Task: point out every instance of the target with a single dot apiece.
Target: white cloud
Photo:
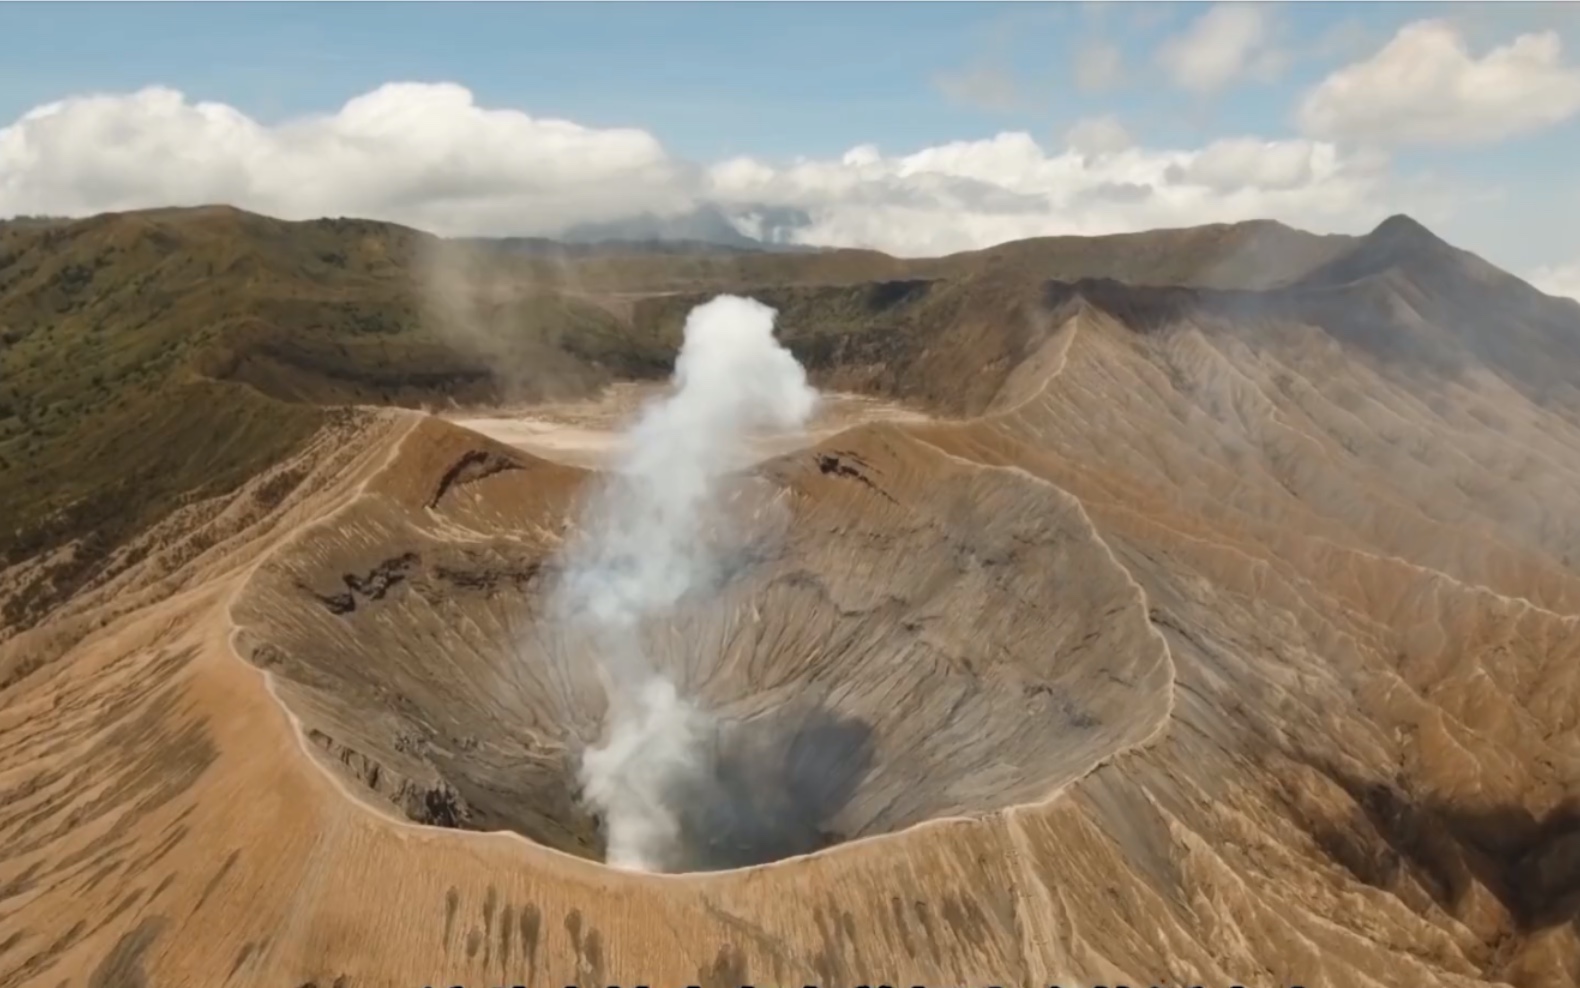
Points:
(427, 155)
(1562, 280)
(1228, 43)
(1425, 87)
(424, 154)
(1098, 66)
(1237, 162)
(969, 194)
(1098, 135)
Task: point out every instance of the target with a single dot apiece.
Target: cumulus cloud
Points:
(429, 156)
(972, 193)
(1426, 87)
(1098, 135)
(424, 154)
(1227, 165)
(1229, 43)
(1562, 280)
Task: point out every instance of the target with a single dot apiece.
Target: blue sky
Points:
(710, 79)
(778, 81)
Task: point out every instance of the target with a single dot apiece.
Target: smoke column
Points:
(644, 541)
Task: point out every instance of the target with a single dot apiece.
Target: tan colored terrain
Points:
(587, 433)
(1219, 643)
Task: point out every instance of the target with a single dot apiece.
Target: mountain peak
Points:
(1399, 243)
(1402, 229)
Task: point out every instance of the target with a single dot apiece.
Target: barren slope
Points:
(1220, 636)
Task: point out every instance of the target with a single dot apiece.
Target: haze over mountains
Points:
(1194, 606)
(758, 228)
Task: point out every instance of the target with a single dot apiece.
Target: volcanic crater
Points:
(905, 643)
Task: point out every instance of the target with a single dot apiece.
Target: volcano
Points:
(1187, 607)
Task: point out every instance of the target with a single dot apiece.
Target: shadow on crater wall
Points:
(771, 787)
(1413, 845)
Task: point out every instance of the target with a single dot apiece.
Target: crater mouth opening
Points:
(759, 790)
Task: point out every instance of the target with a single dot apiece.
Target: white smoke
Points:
(650, 535)
(654, 750)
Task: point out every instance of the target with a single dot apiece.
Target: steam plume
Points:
(647, 538)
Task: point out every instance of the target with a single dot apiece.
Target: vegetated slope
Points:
(156, 358)
(150, 359)
(1273, 580)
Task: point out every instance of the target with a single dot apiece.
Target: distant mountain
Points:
(708, 229)
(548, 247)
(753, 228)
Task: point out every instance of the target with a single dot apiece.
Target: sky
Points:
(918, 128)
